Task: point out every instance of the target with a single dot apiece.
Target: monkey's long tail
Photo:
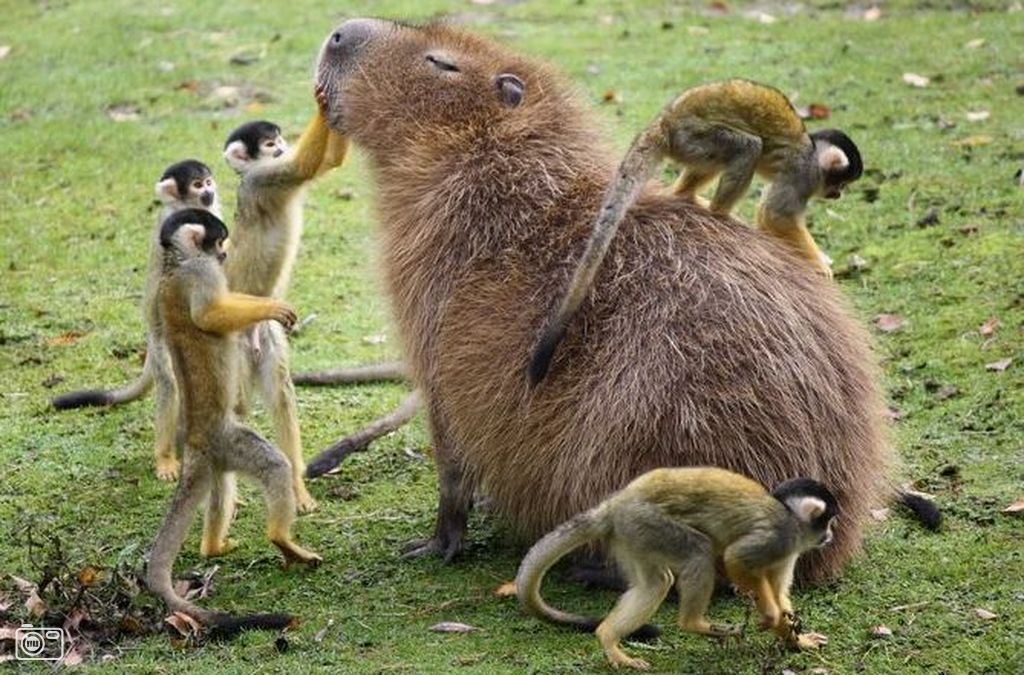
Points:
(555, 545)
(392, 371)
(925, 509)
(333, 456)
(637, 166)
(107, 397)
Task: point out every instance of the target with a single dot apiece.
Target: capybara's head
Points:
(391, 86)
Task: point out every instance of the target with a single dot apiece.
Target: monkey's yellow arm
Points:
(230, 312)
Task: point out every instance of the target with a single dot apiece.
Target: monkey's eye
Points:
(442, 64)
(198, 185)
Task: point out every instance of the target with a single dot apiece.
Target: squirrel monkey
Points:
(187, 184)
(670, 526)
(268, 225)
(200, 320)
(735, 128)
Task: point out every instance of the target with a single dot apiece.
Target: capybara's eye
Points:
(442, 64)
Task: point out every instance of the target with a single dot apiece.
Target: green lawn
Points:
(76, 209)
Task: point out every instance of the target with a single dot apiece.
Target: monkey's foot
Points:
(293, 553)
(809, 641)
(214, 549)
(617, 658)
(304, 502)
(167, 468)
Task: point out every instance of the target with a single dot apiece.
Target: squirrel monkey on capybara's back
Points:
(201, 319)
(671, 526)
(735, 128)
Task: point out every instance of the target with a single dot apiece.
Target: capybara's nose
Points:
(350, 37)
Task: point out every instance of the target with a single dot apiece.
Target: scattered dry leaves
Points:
(989, 327)
(915, 80)
(452, 627)
(984, 614)
(887, 323)
(998, 366)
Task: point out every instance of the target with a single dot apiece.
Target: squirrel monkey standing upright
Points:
(267, 229)
(735, 128)
(200, 319)
(187, 184)
(671, 526)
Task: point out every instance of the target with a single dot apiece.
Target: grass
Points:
(75, 207)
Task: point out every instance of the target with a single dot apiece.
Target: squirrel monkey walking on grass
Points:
(201, 319)
(734, 128)
(670, 526)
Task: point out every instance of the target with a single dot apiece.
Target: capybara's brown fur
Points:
(701, 342)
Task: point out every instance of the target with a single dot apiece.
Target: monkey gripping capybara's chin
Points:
(701, 341)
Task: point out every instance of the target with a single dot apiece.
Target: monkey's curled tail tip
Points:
(332, 457)
(82, 399)
(540, 359)
(228, 626)
(925, 509)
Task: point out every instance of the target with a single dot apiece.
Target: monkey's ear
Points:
(511, 90)
(805, 507)
(237, 156)
(831, 158)
(190, 237)
(167, 191)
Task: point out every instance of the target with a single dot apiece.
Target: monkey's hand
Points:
(809, 641)
(284, 314)
(320, 93)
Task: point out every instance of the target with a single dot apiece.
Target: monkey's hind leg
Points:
(648, 585)
(741, 152)
(220, 511)
(695, 584)
(279, 396)
(192, 488)
(245, 451)
(167, 465)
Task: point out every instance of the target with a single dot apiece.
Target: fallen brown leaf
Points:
(8, 632)
(452, 627)
(881, 632)
(984, 614)
(818, 111)
(989, 327)
(609, 96)
(887, 323)
(718, 7)
(88, 575)
(974, 44)
(35, 605)
(915, 80)
(973, 141)
(65, 339)
(1016, 508)
(998, 366)
(73, 656)
(124, 112)
(23, 585)
(183, 623)
(506, 590)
